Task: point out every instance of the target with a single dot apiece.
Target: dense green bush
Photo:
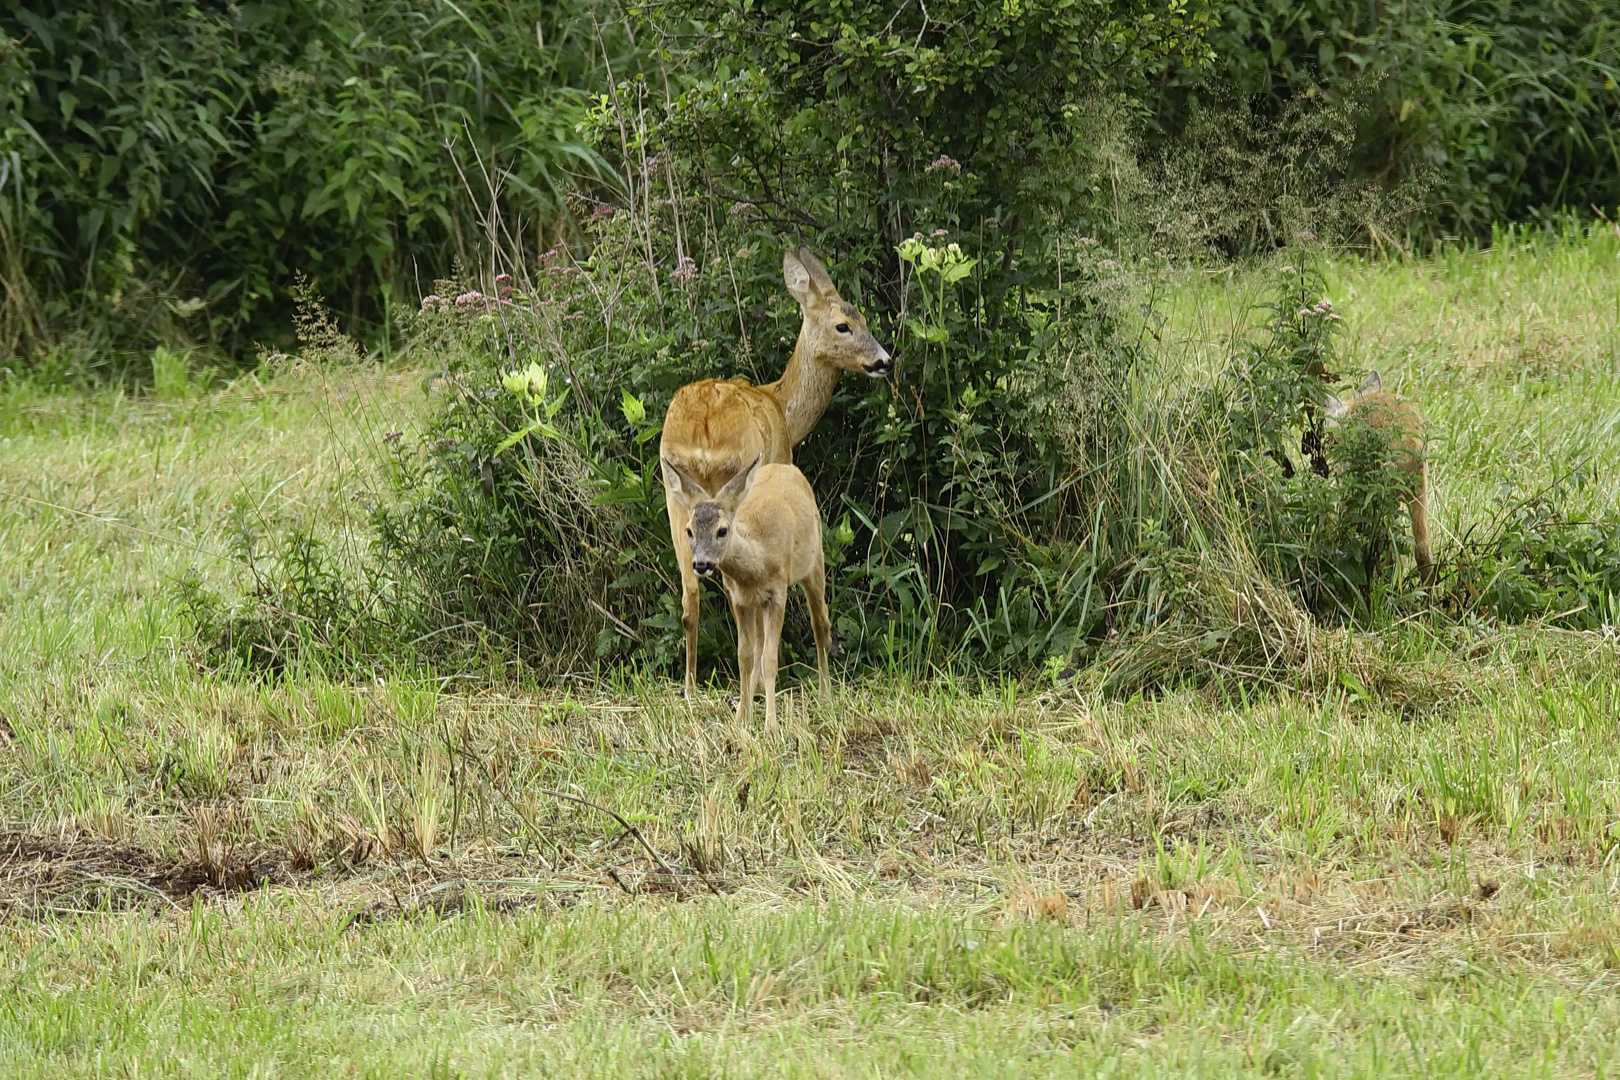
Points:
(1534, 563)
(549, 533)
(1500, 111)
(167, 168)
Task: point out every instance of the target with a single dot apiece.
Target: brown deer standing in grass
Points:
(762, 533)
(1400, 422)
(715, 427)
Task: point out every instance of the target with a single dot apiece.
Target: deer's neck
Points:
(804, 390)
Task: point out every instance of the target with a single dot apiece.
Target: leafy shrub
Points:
(1533, 563)
(1328, 528)
(547, 529)
(300, 602)
(167, 168)
(1502, 111)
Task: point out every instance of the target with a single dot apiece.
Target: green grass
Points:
(1410, 873)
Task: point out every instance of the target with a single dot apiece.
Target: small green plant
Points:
(529, 387)
(1535, 563)
(171, 375)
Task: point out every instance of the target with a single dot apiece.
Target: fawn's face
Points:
(708, 527)
(708, 531)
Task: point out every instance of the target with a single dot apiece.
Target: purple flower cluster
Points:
(472, 300)
(686, 270)
(945, 163)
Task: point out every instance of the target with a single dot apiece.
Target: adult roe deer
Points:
(715, 427)
(762, 533)
(1400, 422)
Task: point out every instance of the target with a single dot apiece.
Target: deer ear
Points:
(1336, 407)
(818, 273)
(797, 277)
(679, 483)
(739, 486)
(1372, 384)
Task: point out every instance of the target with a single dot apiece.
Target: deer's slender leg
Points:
(815, 594)
(770, 637)
(690, 594)
(747, 657)
(1419, 506)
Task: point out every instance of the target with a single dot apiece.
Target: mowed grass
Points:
(1414, 874)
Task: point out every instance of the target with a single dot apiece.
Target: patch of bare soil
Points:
(40, 875)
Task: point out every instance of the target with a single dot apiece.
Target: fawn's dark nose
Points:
(703, 567)
(881, 366)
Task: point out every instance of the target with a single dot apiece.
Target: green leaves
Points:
(929, 332)
(229, 149)
(634, 411)
(635, 414)
(528, 385)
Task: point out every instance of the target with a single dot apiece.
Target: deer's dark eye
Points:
(843, 328)
(688, 532)
(720, 532)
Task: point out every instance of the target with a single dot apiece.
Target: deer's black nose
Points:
(703, 567)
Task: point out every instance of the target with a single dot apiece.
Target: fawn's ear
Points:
(679, 483)
(1372, 384)
(1336, 407)
(739, 486)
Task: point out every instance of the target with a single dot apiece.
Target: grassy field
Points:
(1415, 874)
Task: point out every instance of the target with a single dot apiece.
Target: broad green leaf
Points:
(538, 427)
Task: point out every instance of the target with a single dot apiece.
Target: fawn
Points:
(1399, 421)
(761, 532)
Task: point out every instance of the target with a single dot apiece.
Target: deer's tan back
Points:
(1385, 412)
(715, 427)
